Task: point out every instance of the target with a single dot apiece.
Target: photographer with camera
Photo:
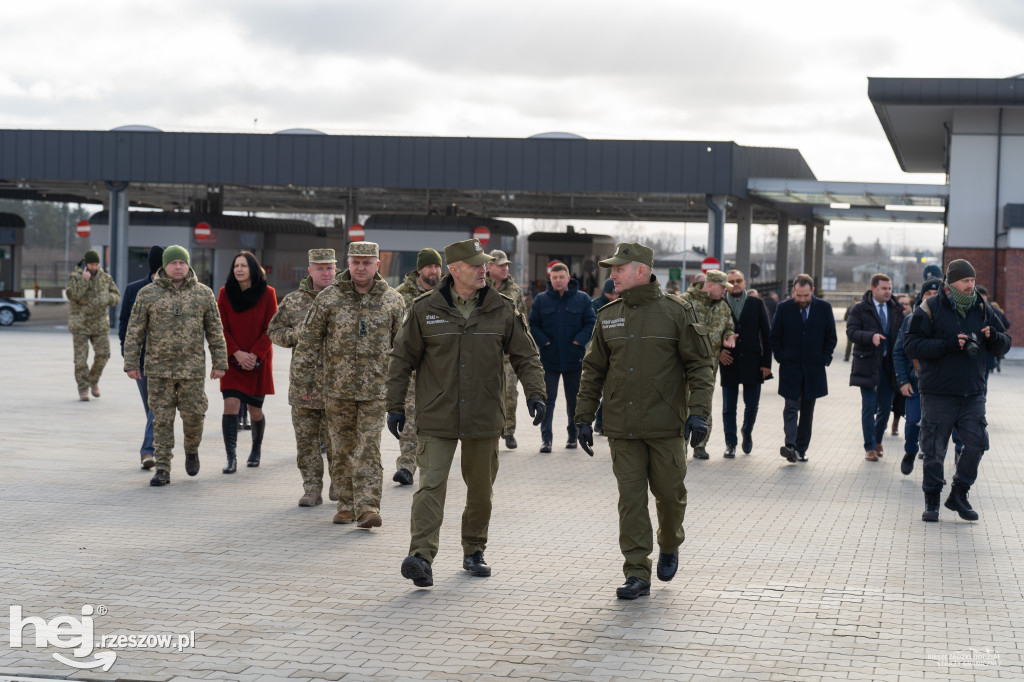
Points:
(945, 336)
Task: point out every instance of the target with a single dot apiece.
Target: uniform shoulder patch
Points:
(686, 305)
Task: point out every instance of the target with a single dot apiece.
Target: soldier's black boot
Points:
(931, 507)
(257, 442)
(229, 425)
(957, 501)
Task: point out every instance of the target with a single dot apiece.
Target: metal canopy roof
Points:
(535, 178)
(917, 113)
(866, 200)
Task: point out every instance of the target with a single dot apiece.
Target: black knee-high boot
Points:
(229, 425)
(257, 441)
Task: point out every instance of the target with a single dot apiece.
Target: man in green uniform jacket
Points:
(455, 339)
(652, 360)
(90, 292)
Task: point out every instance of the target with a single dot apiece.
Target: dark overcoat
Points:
(861, 326)
(803, 349)
(753, 347)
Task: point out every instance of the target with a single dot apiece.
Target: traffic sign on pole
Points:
(710, 263)
(83, 229)
(356, 233)
(202, 231)
(483, 235)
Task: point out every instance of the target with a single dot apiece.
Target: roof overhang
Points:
(917, 113)
(866, 200)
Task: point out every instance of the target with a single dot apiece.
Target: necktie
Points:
(803, 314)
(885, 327)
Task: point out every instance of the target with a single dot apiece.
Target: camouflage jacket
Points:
(88, 302)
(410, 288)
(512, 290)
(714, 315)
(349, 335)
(172, 323)
(284, 330)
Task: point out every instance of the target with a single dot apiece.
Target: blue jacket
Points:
(803, 350)
(560, 320)
(904, 366)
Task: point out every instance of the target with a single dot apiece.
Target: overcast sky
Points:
(784, 74)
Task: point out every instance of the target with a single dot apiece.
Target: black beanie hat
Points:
(156, 259)
(609, 287)
(930, 284)
(958, 270)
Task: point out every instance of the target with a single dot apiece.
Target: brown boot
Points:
(95, 388)
(344, 517)
(370, 520)
(311, 499)
(871, 456)
(83, 396)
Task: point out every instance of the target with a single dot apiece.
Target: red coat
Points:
(247, 331)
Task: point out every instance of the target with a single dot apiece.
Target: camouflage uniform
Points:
(308, 418)
(353, 334)
(512, 290)
(89, 322)
(172, 322)
(717, 319)
(409, 289)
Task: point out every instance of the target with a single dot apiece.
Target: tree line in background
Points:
(47, 226)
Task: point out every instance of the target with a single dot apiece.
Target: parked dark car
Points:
(12, 311)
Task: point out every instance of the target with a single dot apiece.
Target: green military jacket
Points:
(511, 289)
(88, 302)
(410, 287)
(648, 353)
(345, 340)
(716, 316)
(284, 330)
(460, 383)
(172, 323)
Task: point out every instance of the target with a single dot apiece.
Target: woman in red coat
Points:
(246, 305)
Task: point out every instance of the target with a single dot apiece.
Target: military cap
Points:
(630, 252)
(92, 256)
(322, 256)
(363, 249)
(500, 257)
(468, 251)
(718, 277)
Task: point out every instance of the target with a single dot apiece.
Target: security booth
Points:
(402, 236)
(12, 240)
(280, 245)
(580, 251)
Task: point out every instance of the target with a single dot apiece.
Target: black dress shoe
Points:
(570, 444)
(667, 565)
(475, 564)
(417, 569)
(634, 587)
(788, 452)
(510, 442)
(730, 452)
(403, 476)
(907, 465)
(801, 456)
(748, 443)
(546, 446)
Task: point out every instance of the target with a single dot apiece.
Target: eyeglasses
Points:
(734, 281)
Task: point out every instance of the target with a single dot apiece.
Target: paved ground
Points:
(790, 571)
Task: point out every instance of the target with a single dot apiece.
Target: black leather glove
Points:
(585, 435)
(537, 410)
(696, 430)
(396, 422)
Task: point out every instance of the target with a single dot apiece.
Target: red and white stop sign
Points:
(356, 233)
(710, 263)
(483, 235)
(202, 231)
(553, 264)
(83, 229)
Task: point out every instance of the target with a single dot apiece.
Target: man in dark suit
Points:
(873, 325)
(746, 365)
(803, 338)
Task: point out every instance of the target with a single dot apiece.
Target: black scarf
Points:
(243, 300)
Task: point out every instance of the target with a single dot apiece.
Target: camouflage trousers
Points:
(714, 379)
(355, 428)
(310, 431)
(511, 399)
(188, 397)
(407, 443)
(101, 354)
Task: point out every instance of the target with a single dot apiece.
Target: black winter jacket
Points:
(943, 368)
(861, 326)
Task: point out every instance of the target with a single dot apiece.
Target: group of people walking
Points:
(438, 360)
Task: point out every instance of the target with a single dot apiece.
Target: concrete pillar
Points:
(819, 255)
(118, 239)
(716, 224)
(744, 217)
(782, 255)
(808, 266)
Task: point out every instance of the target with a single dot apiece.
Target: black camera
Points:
(971, 345)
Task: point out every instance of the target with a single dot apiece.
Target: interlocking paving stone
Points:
(817, 571)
